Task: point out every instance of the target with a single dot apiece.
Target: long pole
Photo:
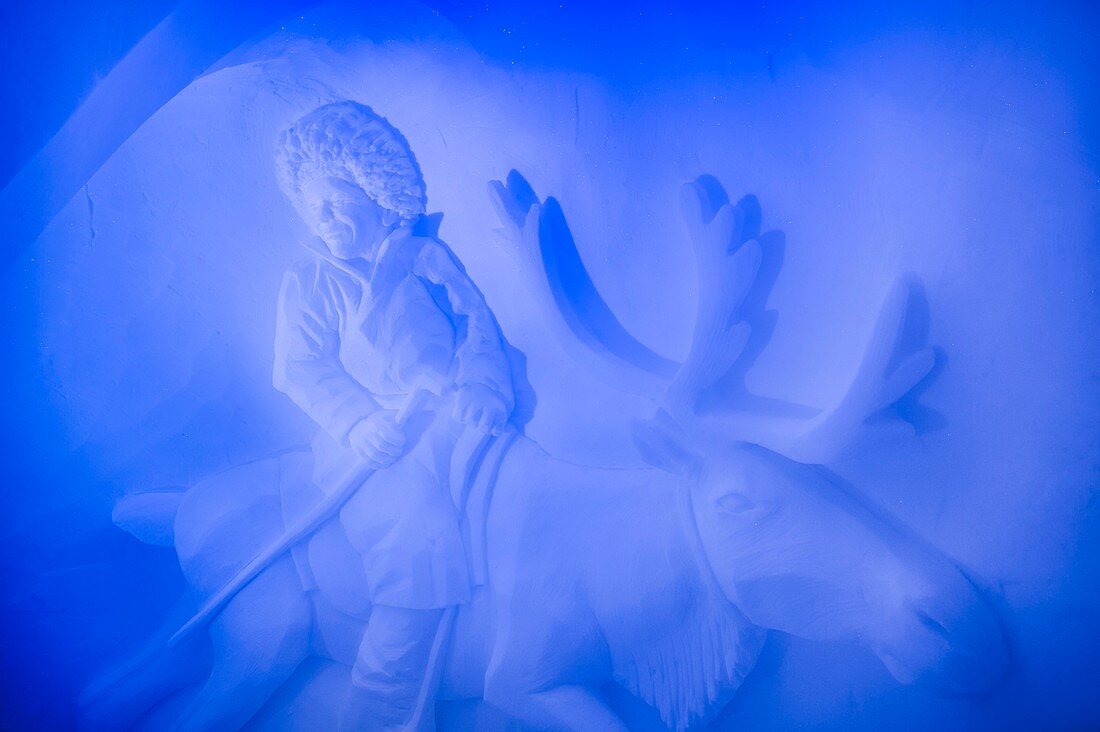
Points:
(305, 527)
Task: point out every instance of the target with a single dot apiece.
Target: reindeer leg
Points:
(259, 640)
(120, 700)
(542, 659)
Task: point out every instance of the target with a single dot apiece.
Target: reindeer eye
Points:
(735, 503)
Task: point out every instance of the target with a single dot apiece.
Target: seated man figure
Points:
(374, 309)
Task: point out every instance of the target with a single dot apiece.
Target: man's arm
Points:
(307, 363)
(479, 353)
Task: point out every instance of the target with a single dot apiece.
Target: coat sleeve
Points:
(479, 351)
(307, 362)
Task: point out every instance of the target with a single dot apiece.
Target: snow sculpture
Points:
(426, 550)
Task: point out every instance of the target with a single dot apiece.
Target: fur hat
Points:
(349, 141)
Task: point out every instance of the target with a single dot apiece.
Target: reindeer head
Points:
(796, 551)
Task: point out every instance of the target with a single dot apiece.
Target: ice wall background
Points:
(957, 143)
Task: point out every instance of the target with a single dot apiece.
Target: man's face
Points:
(349, 222)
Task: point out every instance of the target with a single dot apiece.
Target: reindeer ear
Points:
(658, 448)
(150, 515)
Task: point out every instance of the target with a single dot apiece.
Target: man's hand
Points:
(378, 439)
(481, 407)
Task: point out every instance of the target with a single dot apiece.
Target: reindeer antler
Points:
(727, 265)
(705, 395)
(564, 291)
(890, 371)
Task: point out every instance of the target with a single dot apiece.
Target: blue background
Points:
(958, 141)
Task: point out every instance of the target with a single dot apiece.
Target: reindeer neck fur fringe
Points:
(687, 674)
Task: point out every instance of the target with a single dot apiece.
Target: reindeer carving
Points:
(664, 580)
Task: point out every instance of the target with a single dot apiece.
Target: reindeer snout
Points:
(953, 640)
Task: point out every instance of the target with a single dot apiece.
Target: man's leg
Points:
(390, 668)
